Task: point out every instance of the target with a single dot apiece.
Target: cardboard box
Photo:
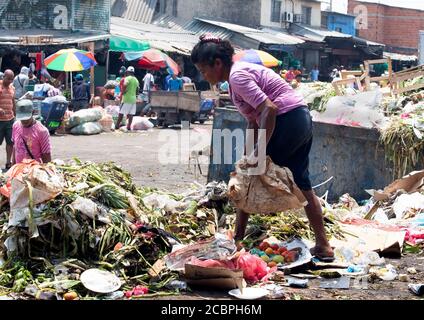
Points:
(214, 278)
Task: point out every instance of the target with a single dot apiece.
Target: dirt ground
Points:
(142, 155)
(139, 153)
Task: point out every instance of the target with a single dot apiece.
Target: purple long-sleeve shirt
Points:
(252, 84)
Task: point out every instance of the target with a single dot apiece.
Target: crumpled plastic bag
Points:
(42, 181)
(156, 201)
(209, 263)
(84, 116)
(217, 248)
(254, 268)
(88, 128)
(86, 207)
(274, 191)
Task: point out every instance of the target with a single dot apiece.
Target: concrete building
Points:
(335, 21)
(398, 28)
(280, 13)
(243, 12)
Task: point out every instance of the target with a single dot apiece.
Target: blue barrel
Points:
(352, 156)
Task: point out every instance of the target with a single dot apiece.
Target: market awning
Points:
(125, 44)
(399, 57)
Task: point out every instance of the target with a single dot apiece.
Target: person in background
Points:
(166, 82)
(290, 75)
(315, 74)
(32, 66)
(122, 73)
(81, 92)
(277, 115)
(7, 114)
(129, 98)
(148, 83)
(31, 140)
(175, 83)
(32, 79)
(20, 82)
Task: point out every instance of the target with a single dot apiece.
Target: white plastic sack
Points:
(87, 129)
(58, 98)
(86, 207)
(360, 110)
(141, 123)
(84, 116)
(407, 202)
(162, 202)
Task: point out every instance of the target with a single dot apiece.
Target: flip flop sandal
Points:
(324, 259)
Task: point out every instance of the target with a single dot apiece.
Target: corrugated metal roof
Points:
(316, 34)
(167, 21)
(135, 10)
(285, 37)
(226, 30)
(171, 40)
(200, 27)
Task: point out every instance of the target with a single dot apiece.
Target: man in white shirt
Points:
(148, 82)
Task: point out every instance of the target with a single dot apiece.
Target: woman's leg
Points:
(314, 213)
(241, 224)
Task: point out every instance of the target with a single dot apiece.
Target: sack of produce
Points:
(273, 191)
(84, 116)
(87, 129)
(140, 123)
(106, 122)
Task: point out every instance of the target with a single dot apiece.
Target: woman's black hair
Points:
(211, 48)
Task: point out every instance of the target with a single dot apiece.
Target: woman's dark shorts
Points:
(291, 143)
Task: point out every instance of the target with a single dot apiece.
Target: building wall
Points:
(397, 28)
(342, 23)
(87, 15)
(243, 12)
(287, 6)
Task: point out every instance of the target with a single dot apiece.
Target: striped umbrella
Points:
(153, 59)
(257, 57)
(70, 60)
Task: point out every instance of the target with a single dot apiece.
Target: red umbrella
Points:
(153, 59)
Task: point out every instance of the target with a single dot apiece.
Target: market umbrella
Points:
(70, 60)
(257, 57)
(153, 59)
(124, 44)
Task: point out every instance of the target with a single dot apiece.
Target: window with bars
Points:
(275, 10)
(306, 15)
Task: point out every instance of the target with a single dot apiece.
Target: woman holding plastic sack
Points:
(268, 103)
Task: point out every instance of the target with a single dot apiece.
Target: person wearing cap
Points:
(129, 98)
(7, 114)
(31, 140)
(20, 82)
(81, 93)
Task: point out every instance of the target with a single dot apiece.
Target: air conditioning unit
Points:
(297, 18)
(287, 17)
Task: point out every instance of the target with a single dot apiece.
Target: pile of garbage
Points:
(63, 224)
(60, 220)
